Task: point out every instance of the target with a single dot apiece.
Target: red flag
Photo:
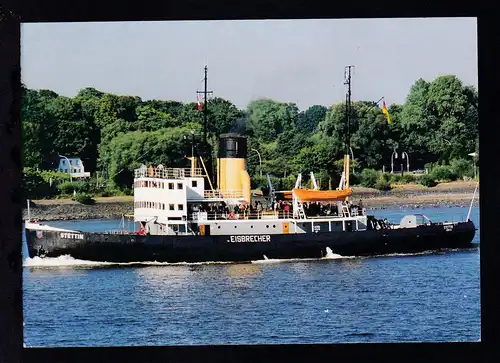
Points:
(198, 103)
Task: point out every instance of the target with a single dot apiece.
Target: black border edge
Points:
(489, 149)
(11, 308)
(393, 352)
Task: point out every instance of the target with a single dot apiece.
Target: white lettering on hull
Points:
(71, 235)
(256, 238)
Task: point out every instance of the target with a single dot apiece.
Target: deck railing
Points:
(167, 173)
(203, 216)
(230, 194)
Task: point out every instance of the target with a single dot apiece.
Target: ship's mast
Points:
(205, 93)
(348, 124)
(207, 152)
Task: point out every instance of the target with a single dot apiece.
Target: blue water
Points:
(426, 297)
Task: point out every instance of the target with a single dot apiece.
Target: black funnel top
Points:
(232, 146)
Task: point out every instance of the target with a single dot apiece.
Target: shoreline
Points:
(454, 194)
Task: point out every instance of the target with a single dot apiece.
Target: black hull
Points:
(134, 248)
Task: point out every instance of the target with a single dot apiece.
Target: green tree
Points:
(224, 117)
(151, 119)
(129, 150)
(308, 120)
(268, 118)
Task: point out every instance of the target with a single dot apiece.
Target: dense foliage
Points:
(437, 127)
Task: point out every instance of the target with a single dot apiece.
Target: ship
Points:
(198, 213)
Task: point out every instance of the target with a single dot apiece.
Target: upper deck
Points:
(162, 172)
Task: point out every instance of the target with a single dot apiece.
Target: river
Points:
(422, 297)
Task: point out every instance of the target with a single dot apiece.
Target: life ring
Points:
(232, 215)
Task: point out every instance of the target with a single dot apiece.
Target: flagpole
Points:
(348, 121)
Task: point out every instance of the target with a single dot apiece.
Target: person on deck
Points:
(142, 231)
(286, 209)
(259, 210)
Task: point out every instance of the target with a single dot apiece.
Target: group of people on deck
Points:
(283, 209)
(317, 209)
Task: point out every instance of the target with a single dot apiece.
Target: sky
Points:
(299, 61)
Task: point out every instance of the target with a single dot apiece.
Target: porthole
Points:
(218, 227)
(274, 226)
(251, 226)
(267, 226)
(235, 226)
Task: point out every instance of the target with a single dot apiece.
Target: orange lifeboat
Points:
(310, 195)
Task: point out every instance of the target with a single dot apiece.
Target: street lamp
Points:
(260, 161)
(474, 162)
(69, 167)
(407, 160)
(394, 154)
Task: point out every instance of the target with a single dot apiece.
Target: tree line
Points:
(437, 126)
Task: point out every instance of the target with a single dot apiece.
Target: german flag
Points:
(386, 112)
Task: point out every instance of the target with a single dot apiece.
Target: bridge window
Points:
(194, 183)
(180, 206)
(171, 207)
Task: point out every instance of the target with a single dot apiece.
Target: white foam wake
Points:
(269, 260)
(329, 256)
(334, 256)
(68, 261)
(60, 261)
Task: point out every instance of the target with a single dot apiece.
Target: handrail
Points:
(167, 173)
(253, 216)
(227, 193)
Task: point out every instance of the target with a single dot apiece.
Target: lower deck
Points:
(241, 247)
(213, 227)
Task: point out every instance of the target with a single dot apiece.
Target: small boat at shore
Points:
(183, 217)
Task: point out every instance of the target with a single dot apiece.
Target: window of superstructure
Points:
(170, 185)
(179, 185)
(171, 207)
(194, 183)
(180, 206)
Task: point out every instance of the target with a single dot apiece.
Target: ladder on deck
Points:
(300, 211)
(345, 211)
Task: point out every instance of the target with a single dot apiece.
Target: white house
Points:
(73, 166)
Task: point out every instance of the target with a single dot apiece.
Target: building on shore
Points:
(73, 166)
